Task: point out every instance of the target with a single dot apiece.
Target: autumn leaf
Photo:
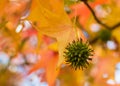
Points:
(69, 77)
(48, 60)
(53, 46)
(2, 5)
(49, 18)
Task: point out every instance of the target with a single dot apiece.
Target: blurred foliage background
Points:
(31, 30)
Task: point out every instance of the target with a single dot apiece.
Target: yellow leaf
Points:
(53, 46)
(2, 5)
(116, 34)
(49, 18)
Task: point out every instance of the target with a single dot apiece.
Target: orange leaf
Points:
(47, 61)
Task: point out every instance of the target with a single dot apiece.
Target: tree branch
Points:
(94, 15)
(115, 26)
(98, 21)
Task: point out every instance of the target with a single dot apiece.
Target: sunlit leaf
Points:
(50, 19)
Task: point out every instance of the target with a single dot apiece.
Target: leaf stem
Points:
(74, 24)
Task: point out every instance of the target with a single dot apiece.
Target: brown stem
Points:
(98, 21)
(94, 15)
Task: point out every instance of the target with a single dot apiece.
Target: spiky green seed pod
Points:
(77, 54)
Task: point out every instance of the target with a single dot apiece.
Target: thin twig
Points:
(99, 21)
(115, 26)
(94, 15)
(94, 40)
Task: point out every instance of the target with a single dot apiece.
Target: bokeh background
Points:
(28, 58)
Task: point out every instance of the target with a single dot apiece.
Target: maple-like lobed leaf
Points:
(49, 18)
